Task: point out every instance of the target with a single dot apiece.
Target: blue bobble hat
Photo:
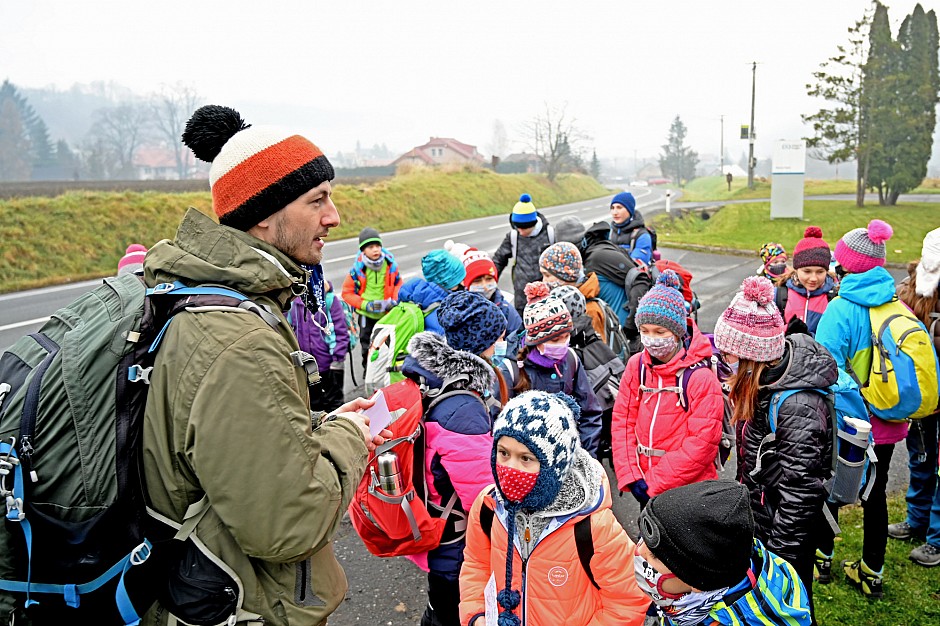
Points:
(471, 322)
(523, 214)
(626, 199)
(442, 268)
(663, 305)
(546, 424)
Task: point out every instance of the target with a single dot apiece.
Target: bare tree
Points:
(555, 139)
(121, 130)
(171, 107)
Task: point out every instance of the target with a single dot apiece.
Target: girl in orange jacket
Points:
(544, 538)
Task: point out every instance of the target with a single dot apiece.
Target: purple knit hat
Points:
(863, 249)
(751, 327)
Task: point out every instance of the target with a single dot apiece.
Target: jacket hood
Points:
(206, 252)
(700, 348)
(422, 293)
(868, 289)
(431, 357)
(805, 365)
(591, 287)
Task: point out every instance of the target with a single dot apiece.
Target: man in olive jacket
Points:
(228, 445)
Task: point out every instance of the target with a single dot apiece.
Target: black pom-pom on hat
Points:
(210, 128)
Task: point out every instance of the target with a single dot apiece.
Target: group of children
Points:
(533, 539)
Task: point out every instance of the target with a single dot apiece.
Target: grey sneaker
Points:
(926, 555)
(903, 530)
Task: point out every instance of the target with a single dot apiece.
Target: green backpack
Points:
(389, 345)
(76, 543)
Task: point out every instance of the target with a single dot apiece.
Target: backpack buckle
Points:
(136, 373)
(15, 505)
(163, 288)
(140, 554)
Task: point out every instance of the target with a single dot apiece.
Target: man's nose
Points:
(330, 216)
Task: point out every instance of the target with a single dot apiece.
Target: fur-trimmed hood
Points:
(431, 357)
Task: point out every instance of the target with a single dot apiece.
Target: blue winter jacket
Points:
(424, 294)
(845, 331)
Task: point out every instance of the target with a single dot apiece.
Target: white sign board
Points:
(788, 175)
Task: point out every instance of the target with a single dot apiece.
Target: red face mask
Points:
(515, 484)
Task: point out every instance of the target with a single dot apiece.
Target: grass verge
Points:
(745, 227)
(709, 188)
(81, 235)
(912, 592)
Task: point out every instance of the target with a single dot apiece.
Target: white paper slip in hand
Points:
(379, 416)
(491, 613)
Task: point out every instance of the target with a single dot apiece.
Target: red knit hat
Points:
(812, 250)
(256, 170)
(477, 263)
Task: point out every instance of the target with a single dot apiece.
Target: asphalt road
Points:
(392, 591)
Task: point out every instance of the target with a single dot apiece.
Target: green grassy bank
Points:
(745, 227)
(709, 188)
(80, 235)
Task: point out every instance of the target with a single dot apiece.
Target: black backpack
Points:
(78, 546)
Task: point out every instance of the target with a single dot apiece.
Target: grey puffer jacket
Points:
(525, 269)
(788, 493)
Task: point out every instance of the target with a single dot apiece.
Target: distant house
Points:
(155, 163)
(650, 172)
(440, 151)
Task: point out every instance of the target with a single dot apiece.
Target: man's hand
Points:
(350, 411)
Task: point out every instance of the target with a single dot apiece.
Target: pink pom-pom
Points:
(758, 289)
(813, 231)
(670, 279)
(879, 232)
(535, 292)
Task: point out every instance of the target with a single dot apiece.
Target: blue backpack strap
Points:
(776, 401)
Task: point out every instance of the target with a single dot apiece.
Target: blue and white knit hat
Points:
(664, 305)
(573, 299)
(546, 424)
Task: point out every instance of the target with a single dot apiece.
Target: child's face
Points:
(373, 251)
(654, 330)
(485, 281)
(551, 280)
(511, 453)
(525, 232)
(811, 277)
(619, 213)
(670, 585)
(486, 354)
(559, 342)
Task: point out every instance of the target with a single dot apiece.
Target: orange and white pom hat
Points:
(256, 170)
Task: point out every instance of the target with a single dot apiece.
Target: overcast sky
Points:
(400, 71)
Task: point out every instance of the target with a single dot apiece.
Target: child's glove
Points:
(388, 304)
(375, 306)
(639, 489)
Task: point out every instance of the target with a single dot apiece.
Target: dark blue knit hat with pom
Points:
(470, 321)
(547, 424)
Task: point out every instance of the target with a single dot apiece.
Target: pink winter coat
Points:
(653, 436)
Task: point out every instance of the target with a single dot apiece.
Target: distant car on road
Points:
(659, 181)
(639, 183)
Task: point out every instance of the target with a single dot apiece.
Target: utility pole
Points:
(721, 159)
(750, 156)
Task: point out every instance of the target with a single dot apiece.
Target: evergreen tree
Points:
(836, 127)
(595, 166)
(677, 159)
(40, 151)
(14, 143)
(879, 93)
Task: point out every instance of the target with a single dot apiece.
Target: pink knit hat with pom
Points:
(751, 327)
(133, 260)
(863, 249)
(812, 250)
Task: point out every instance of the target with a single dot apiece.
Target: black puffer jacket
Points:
(787, 495)
(525, 269)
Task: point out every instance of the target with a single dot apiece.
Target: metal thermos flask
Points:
(390, 474)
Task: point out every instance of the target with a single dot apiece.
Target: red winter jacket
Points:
(680, 444)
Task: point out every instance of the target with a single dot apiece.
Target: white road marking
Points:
(452, 236)
(35, 292)
(38, 320)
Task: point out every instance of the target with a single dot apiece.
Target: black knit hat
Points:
(368, 236)
(703, 532)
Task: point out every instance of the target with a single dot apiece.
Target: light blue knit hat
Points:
(442, 268)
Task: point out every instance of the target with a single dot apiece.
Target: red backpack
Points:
(396, 525)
